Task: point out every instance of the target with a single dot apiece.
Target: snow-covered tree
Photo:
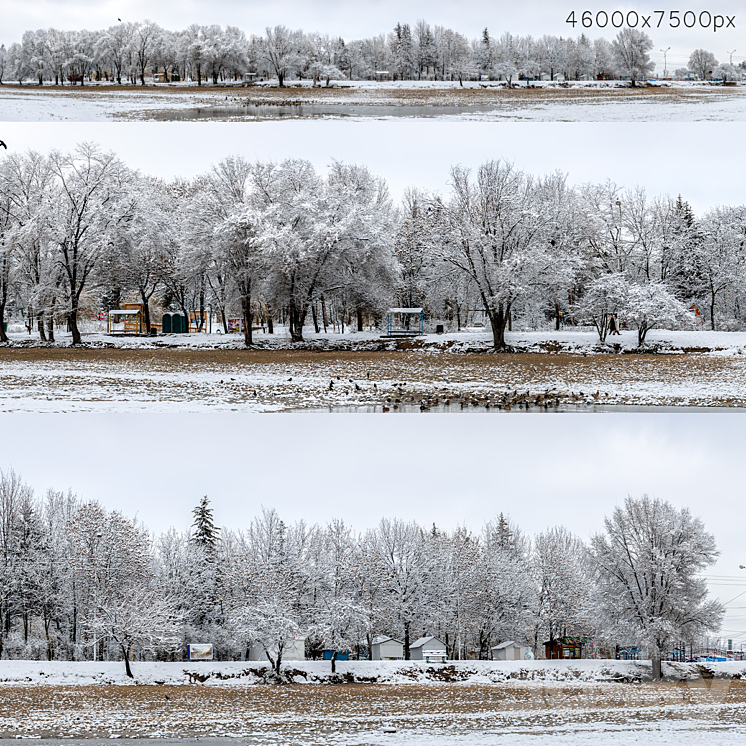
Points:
(651, 305)
(497, 229)
(204, 532)
(649, 562)
(91, 200)
(565, 597)
(283, 51)
(702, 63)
(632, 54)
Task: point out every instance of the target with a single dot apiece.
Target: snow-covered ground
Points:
(195, 373)
(242, 673)
(469, 340)
(583, 102)
(569, 703)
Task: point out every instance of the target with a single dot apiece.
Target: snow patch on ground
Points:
(473, 340)
(89, 673)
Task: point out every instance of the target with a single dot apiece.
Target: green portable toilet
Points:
(166, 323)
(177, 324)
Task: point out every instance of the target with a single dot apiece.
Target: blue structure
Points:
(342, 655)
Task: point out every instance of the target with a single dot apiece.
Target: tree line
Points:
(80, 582)
(128, 52)
(267, 243)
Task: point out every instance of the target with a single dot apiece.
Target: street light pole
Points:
(730, 54)
(665, 64)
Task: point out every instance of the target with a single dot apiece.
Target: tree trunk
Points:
(323, 312)
(296, 323)
(556, 317)
(40, 326)
(224, 320)
(406, 641)
(315, 318)
(127, 668)
(3, 335)
(334, 662)
(359, 319)
(50, 328)
(146, 311)
(712, 311)
(657, 674)
(498, 321)
(248, 337)
(72, 319)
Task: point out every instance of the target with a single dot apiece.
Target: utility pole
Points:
(665, 65)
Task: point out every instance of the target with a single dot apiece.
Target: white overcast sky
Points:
(354, 20)
(697, 160)
(543, 470)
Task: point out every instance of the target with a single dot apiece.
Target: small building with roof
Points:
(387, 649)
(566, 647)
(511, 651)
(428, 649)
(405, 322)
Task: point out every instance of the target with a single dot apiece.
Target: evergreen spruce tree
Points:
(204, 534)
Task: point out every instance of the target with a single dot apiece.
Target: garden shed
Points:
(387, 649)
(428, 649)
(567, 647)
(511, 651)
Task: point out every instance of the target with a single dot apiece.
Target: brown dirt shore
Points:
(282, 714)
(248, 380)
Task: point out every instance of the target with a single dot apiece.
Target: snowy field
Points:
(468, 340)
(361, 101)
(196, 373)
(559, 702)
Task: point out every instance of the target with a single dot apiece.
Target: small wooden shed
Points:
(428, 649)
(511, 651)
(567, 647)
(387, 649)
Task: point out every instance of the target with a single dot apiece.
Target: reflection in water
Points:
(311, 111)
(562, 408)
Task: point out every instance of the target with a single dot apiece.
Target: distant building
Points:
(387, 649)
(567, 647)
(511, 651)
(428, 649)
